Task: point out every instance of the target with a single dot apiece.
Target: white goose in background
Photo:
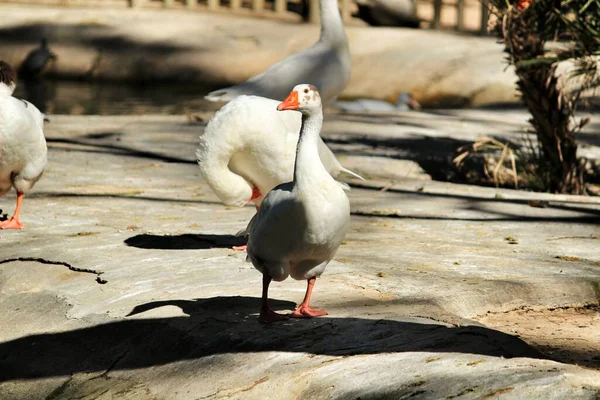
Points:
(300, 224)
(326, 64)
(22, 144)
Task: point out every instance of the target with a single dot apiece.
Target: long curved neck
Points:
(332, 27)
(308, 166)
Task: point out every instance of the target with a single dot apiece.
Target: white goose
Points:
(248, 148)
(22, 144)
(326, 64)
(300, 224)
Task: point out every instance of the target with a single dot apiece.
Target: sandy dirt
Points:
(570, 335)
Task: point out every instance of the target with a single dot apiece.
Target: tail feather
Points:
(246, 231)
(354, 174)
(217, 95)
(242, 233)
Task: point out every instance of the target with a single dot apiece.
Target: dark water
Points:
(106, 98)
(93, 98)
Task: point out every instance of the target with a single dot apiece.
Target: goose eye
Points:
(305, 90)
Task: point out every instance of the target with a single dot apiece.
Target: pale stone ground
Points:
(123, 285)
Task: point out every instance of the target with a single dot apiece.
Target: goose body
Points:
(326, 64)
(23, 151)
(301, 223)
(248, 148)
(404, 102)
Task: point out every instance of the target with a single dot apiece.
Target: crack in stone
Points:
(442, 320)
(524, 308)
(230, 391)
(114, 364)
(60, 389)
(69, 266)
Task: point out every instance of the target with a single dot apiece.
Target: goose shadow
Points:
(186, 241)
(228, 325)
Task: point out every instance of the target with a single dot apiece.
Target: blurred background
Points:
(144, 57)
(162, 56)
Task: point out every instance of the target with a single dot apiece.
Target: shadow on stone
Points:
(186, 241)
(228, 325)
(120, 150)
(572, 211)
(433, 154)
(232, 305)
(109, 195)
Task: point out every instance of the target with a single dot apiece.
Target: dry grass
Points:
(487, 144)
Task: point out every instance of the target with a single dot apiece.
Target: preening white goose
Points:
(326, 64)
(300, 224)
(22, 144)
(248, 148)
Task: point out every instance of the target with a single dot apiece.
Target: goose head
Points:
(406, 101)
(304, 98)
(8, 78)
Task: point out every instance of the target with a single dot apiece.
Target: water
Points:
(94, 98)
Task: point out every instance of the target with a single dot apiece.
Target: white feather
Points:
(23, 151)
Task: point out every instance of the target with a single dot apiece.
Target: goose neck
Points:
(308, 164)
(332, 27)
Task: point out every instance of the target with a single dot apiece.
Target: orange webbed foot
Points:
(12, 223)
(307, 312)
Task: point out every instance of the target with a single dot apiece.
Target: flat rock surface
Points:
(123, 284)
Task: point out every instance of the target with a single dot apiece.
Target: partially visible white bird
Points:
(326, 64)
(404, 102)
(300, 224)
(248, 148)
(22, 144)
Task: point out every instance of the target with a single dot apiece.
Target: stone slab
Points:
(123, 283)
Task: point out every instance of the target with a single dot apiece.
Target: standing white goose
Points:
(326, 64)
(300, 224)
(22, 144)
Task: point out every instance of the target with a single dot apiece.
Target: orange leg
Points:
(266, 314)
(13, 222)
(304, 310)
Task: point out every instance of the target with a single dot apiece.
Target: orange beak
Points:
(290, 103)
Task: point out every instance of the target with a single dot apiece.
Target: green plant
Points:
(538, 35)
